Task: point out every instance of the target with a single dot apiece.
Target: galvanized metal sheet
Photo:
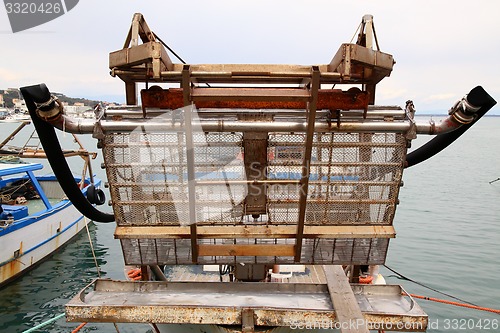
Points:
(273, 304)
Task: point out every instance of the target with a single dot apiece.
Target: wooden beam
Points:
(351, 59)
(144, 53)
(346, 307)
(131, 93)
(306, 162)
(268, 250)
(262, 231)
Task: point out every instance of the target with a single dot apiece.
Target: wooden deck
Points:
(313, 274)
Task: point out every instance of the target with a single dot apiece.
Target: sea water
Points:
(448, 238)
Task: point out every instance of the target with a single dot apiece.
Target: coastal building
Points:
(19, 105)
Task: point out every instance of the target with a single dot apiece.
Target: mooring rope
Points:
(401, 276)
(92, 248)
(44, 323)
(475, 307)
(462, 303)
(78, 328)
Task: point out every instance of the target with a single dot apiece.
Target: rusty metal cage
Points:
(247, 163)
(247, 189)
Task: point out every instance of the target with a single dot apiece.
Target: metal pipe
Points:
(235, 126)
(462, 111)
(84, 126)
(136, 112)
(432, 128)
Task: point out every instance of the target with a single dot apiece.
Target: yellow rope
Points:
(92, 247)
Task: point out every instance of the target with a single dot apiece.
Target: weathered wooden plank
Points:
(246, 250)
(306, 161)
(346, 307)
(262, 231)
(141, 54)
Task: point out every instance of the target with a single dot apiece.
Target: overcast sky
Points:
(442, 48)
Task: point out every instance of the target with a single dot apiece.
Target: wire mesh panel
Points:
(148, 178)
(354, 178)
(244, 184)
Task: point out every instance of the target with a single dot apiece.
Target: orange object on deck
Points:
(366, 279)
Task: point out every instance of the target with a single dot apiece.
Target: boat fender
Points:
(95, 195)
(368, 279)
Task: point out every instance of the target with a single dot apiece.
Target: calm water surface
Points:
(448, 225)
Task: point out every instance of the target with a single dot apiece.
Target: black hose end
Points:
(40, 101)
(478, 96)
(38, 93)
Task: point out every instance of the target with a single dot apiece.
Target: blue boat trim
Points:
(33, 218)
(19, 168)
(39, 189)
(24, 222)
(44, 242)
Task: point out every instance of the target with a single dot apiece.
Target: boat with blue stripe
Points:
(36, 217)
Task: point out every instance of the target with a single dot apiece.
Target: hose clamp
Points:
(463, 111)
(49, 110)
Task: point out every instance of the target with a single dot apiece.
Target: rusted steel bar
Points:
(288, 163)
(333, 99)
(268, 181)
(284, 201)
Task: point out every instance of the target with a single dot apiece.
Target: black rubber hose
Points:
(48, 138)
(477, 97)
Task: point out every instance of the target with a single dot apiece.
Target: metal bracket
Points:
(247, 321)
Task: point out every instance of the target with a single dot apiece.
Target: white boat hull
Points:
(27, 246)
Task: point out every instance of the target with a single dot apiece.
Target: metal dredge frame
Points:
(323, 167)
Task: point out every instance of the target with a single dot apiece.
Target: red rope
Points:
(456, 303)
(78, 328)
